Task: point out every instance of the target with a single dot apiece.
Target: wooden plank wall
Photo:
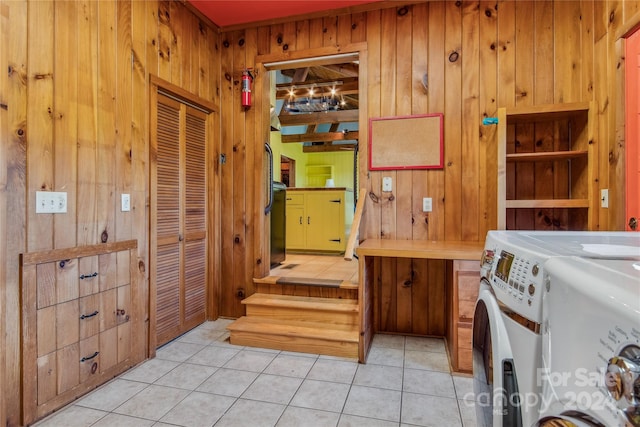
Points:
(72, 96)
(76, 95)
(478, 56)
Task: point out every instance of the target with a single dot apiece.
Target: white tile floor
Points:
(201, 380)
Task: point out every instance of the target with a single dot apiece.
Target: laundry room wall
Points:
(476, 56)
(74, 117)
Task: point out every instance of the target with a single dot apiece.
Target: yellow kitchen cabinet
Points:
(295, 221)
(319, 219)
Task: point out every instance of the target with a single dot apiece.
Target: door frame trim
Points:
(617, 220)
(333, 54)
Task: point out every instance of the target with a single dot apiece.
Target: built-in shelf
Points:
(546, 156)
(552, 203)
(317, 175)
(545, 151)
(547, 112)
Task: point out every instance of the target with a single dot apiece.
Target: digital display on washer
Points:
(504, 266)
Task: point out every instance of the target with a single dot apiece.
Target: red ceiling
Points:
(224, 13)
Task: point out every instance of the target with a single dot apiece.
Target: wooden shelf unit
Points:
(546, 178)
(317, 175)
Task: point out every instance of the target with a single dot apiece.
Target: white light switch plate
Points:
(51, 202)
(387, 184)
(125, 203)
(427, 204)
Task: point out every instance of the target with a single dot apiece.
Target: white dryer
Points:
(591, 342)
(507, 337)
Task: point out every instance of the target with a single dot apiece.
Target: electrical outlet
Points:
(604, 198)
(427, 204)
(125, 203)
(387, 184)
(51, 202)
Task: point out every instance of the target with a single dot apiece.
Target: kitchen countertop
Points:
(318, 189)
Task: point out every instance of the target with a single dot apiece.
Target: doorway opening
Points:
(287, 171)
(315, 106)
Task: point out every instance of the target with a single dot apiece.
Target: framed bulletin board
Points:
(406, 142)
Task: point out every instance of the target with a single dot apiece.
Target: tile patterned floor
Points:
(200, 379)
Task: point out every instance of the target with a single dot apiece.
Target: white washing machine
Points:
(591, 342)
(507, 338)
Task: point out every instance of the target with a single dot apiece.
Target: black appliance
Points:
(278, 223)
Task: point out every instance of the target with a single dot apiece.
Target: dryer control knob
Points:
(622, 379)
(532, 289)
(535, 270)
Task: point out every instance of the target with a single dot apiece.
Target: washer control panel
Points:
(516, 280)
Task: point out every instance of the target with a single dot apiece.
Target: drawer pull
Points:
(336, 201)
(84, 359)
(335, 240)
(86, 316)
(88, 276)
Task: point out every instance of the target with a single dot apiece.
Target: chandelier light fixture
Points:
(315, 99)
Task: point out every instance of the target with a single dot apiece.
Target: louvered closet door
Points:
(180, 187)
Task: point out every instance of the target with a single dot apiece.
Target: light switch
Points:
(427, 204)
(125, 203)
(387, 184)
(51, 202)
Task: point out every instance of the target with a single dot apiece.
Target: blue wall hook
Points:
(490, 121)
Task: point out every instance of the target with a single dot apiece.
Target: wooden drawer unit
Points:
(77, 323)
(464, 290)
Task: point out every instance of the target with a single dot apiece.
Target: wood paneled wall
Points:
(477, 56)
(74, 118)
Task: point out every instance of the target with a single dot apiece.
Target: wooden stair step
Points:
(307, 281)
(298, 336)
(310, 303)
(299, 308)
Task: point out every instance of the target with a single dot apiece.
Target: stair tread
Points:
(316, 303)
(306, 281)
(269, 326)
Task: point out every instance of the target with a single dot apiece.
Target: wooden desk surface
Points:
(421, 249)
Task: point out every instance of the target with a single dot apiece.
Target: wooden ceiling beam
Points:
(320, 137)
(317, 118)
(328, 147)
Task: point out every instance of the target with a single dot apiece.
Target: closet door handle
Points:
(308, 220)
(300, 220)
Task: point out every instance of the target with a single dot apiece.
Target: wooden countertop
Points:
(318, 189)
(421, 249)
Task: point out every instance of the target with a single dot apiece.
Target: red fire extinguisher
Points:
(247, 78)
